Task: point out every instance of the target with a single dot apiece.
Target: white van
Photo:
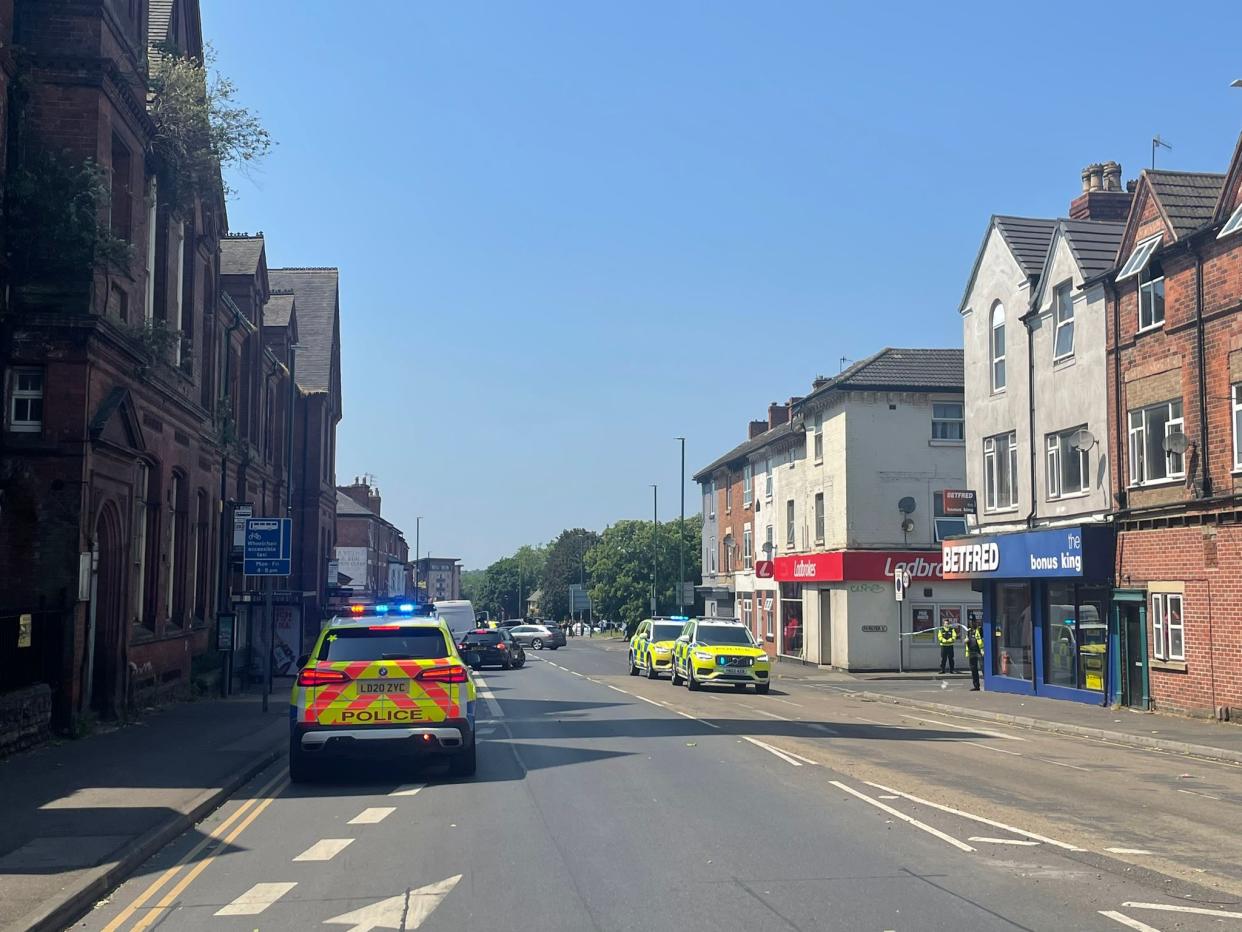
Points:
(458, 614)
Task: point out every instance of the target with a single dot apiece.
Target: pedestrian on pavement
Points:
(946, 637)
(974, 651)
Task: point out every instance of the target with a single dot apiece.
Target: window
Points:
(1151, 297)
(709, 504)
(728, 553)
(26, 401)
(175, 593)
(121, 198)
(729, 493)
(945, 525)
(998, 347)
(819, 517)
(713, 555)
(748, 548)
(1233, 225)
(748, 615)
(769, 542)
(141, 512)
(1000, 471)
(819, 437)
(1237, 426)
(1138, 259)
(1154, 455)
(1069, 470)
(948, 421)
(769, 630)
(789, 524)
(202, 555)
(748, 485)
(1168, 632)
(767, 481)
(1063, 314)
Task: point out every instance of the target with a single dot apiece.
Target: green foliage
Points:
(201, 130)
(498, 592)
(564, 566)
(472, 584)
(619, 567)
(53, 208)
(154, 339)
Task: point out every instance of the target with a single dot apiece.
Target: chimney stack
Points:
(756, 428)
(777, 414)
(820, 382)
(1102, 197)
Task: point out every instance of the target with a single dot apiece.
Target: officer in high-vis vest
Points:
(974, 651)
(946, 637)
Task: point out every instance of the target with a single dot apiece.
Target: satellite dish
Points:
(1175, 443)
(907, 505)
(1082, 440)
(907, 525)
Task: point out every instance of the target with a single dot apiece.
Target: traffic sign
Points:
(901, 581)
(579, 601)
(268, 547)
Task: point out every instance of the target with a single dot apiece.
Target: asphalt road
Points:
(608, 802)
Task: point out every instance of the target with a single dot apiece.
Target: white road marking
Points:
(1057, 763)
(888, 796)
(786, 757)
(901, 815)
(779, 718)
(701, 721)
(372, 815)
(1005, 841)
(575, 673)
(256, 899)
(645, 699)
(410, 789)
(1128, 851)
(979, 731)
(1177, 908)
(786, 701)
(617, 688)
(1127, 921)
(403, 911)
(1194, 793)
(976, 818)
(988, 747)
(325, 849)
(489, 699)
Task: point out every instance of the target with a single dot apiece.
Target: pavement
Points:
(80, 815)
(609, 802)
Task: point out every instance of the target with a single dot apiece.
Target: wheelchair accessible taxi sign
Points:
(268, 547)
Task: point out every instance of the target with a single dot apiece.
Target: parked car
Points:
(491, 646)
(538, 636)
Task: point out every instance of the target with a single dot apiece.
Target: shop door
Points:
(825, 627)
(1133, 656)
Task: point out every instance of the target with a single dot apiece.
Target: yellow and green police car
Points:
(719, 651)
(382, 683)
(651, 647)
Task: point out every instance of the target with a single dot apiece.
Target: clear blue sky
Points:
(569, 232)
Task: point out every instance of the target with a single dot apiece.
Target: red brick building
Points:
(370, 550)
(1175, 412)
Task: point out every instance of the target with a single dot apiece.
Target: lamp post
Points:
(655, 529)
(418, 528)
(681, 533)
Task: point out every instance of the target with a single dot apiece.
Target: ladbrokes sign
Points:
(857, 565)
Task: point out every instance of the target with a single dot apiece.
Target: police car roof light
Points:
(357, 609)
(406, 607)
(381, 609)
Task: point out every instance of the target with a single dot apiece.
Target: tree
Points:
(471, 584)
(619, 567)
(498, 592)
(564, 566)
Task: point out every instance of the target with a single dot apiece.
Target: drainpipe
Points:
(1205, 490)
(1119, 421)
(1029, 322)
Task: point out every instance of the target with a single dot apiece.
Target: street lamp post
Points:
(681, 533)
(418, 527)
(655, 530)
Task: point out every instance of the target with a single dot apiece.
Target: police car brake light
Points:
(313, 677)
(384, 628)
(452, 674)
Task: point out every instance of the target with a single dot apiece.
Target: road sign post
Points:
(268, 552)
(901, 581)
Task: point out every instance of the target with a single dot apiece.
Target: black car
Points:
(491, 646)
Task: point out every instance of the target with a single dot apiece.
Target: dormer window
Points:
(1233, 225)
(1140, 257)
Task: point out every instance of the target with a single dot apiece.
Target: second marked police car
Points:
(384, 682)
(719, 651)
(651, 647)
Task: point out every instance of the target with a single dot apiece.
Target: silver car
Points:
(535, 637)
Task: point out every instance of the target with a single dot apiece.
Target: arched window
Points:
(998, 347)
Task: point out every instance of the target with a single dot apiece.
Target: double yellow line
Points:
(223, 834)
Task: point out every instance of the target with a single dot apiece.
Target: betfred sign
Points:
(959, 501)
(857, 565)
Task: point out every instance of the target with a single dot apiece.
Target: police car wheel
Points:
(691, 683)
(465, 763)
(674, 677)
(537, 643)
(651, 670)
(633, 665)
(763, 688)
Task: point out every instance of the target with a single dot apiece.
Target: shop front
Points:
(838, 609)
(1047, 597)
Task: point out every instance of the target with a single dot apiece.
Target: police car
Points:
(651, 647)
(711, 651)
(384, 682)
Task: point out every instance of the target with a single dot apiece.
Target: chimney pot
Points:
(1097, 176)
(1102, 197)
(1086, 179)
(1112, 176)
(820, 382)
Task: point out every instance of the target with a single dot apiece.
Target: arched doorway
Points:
(108, 607)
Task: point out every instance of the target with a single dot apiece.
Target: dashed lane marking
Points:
(976, 818)
(978, 731)
(324, 850)
(372, 815)
(1127, 851)
(988, 747)
(1004, 841)
(1060, 763)
(1197, 793)
(788, 758)
(1178, 908)
(901, 815)
(410, 789)
(1127, 921)
(779, 718)
(256, 899)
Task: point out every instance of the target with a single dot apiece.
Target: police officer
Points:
(974, 651)
(946, 637)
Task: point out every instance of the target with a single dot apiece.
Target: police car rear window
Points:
(366, 644)
(723, 635)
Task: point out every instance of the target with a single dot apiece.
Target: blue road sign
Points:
(268, 547)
